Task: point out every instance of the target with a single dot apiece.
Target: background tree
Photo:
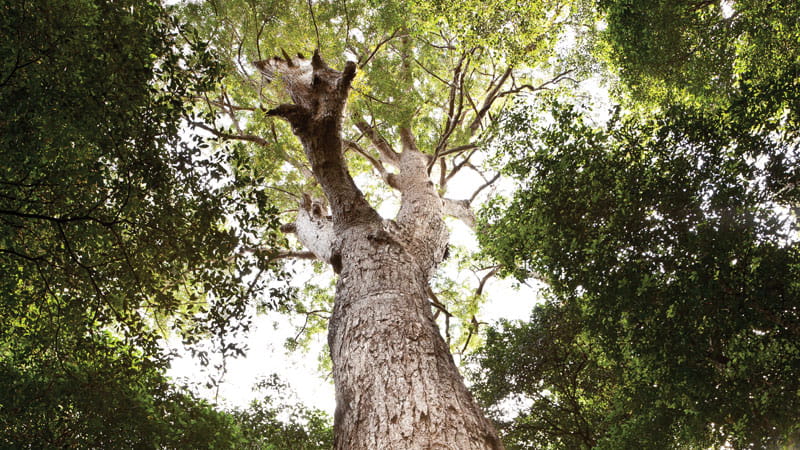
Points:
(112, 230)
(101, 395)
(547, 376)
(664, 244)
(277, 421)
(715, 53)
(669, 235)
(739, 60)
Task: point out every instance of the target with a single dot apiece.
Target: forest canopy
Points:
(667, 236)
(156, 184)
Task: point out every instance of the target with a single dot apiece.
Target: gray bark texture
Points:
(397, 386)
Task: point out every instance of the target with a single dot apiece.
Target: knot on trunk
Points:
(388, 232)
(315, 206)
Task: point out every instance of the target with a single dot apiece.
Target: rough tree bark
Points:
(397, 386)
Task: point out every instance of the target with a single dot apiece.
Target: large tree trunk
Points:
(397, 386)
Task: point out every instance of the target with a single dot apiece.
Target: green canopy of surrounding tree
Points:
(667, 237)
(709, 52)
(737, 60)
(276, 421)
(668, 240)
(113, 231)
(100, 394)
(664, 253)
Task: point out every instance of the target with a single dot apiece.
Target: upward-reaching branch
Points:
(319, 94)
(384, 149)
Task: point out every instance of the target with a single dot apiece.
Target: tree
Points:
(112, 229)
(103, 394)
(664, 244)
(432, 77)
(550, 385)
(736, 59)
(563, 395)
(714, 53)
(668, 236)
(264, 427)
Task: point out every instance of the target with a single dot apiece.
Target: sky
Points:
(267, 354)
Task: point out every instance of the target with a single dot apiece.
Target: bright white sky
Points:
(265, 341)
(267, 354)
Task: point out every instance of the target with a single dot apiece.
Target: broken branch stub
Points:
(318, 92)
(314, 228)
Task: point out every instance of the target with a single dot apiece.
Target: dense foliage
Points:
(707, 52)
(662, 240)
(112, 229)
(667, 236)
(101, 395)
(277, 421)
(545, 374)
(737, 60)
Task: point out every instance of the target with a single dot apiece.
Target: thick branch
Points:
(491, 96)
(420, 206)
(459, 209)
(457, 150)
(376, 163)
(408, 140)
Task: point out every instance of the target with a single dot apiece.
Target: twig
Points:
(377, 47)
(484, 186)
(314, 21)
(242, 137)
